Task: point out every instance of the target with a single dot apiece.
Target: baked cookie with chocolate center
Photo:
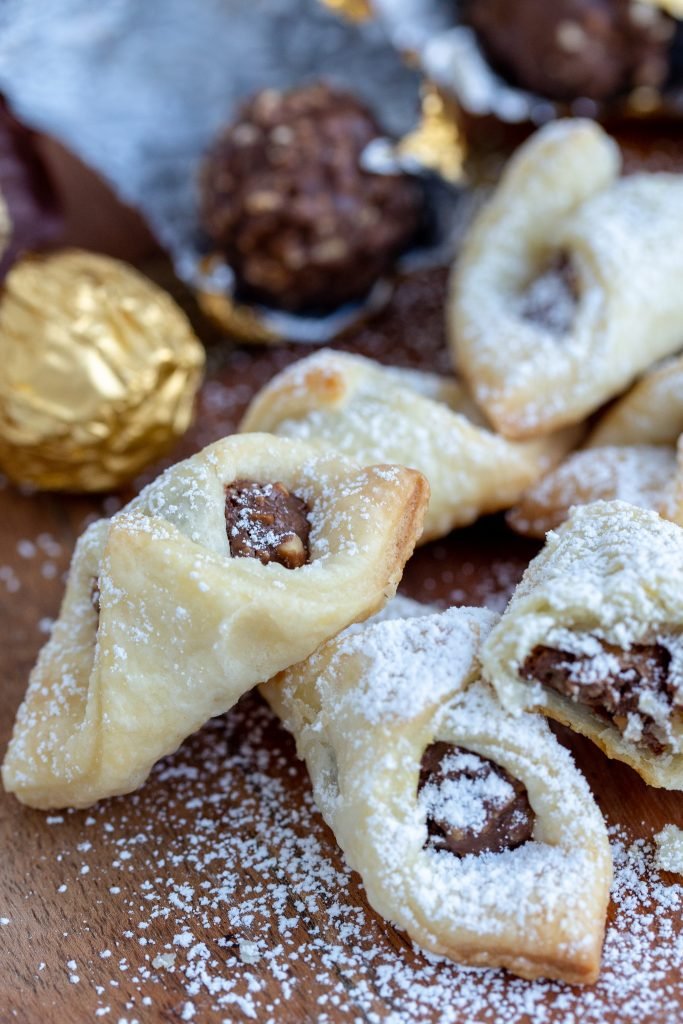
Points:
(543, 345)
(374, 413)
(593, 636)
(471, 828)
(228, 568)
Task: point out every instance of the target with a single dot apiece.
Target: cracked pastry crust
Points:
(370, 712)
(375, 413)
(593, 637)
(162, 628)
(568, 285)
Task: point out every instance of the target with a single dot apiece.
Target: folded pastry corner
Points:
(593, 637)
(471, 829)
(566, 288)
(228, 568)
(376, 413)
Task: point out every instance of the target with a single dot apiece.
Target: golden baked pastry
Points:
(630, 455)
(593, 637)
(650, 413)
(471, 829)
(568, 284)
(228, 568)
(376, 413)
(643, 475)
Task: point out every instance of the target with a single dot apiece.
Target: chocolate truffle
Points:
(30, 216)
(283, 194)
(574, 48)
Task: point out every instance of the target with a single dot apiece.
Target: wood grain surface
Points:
(222, 848)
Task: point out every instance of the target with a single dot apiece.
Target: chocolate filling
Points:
(611, 682)
(550, 299)
(267, 522)
(473, 805)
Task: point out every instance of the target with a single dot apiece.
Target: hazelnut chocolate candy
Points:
(575, 48)
(100, 368)
(630, 687)
(284, 196)
(551, 297)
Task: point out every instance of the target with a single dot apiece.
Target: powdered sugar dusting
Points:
(669, 856)
(232, 860)
(402, 677)
(465, 802)
(641, 475)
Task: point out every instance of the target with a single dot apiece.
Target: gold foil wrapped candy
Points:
(99, 372)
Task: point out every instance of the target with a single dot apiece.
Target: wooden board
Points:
(216, 893)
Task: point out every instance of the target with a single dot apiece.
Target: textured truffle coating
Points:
(573, 48)
(283, 194)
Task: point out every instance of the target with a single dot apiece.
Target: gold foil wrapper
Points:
(438, 142)
(99, 372)
(354, 10)
(240, 321)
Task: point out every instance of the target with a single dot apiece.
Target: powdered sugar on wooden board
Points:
(231, 880)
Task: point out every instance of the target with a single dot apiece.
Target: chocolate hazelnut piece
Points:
(574, 48)
(303, 226)
(611, 681)
(267, 522)
(473, 805)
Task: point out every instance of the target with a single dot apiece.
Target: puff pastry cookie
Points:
(231, 566)
(645, 475)
(593, 637)
(650, 413)
(471, 829)
(568, 285)
(376, 413)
